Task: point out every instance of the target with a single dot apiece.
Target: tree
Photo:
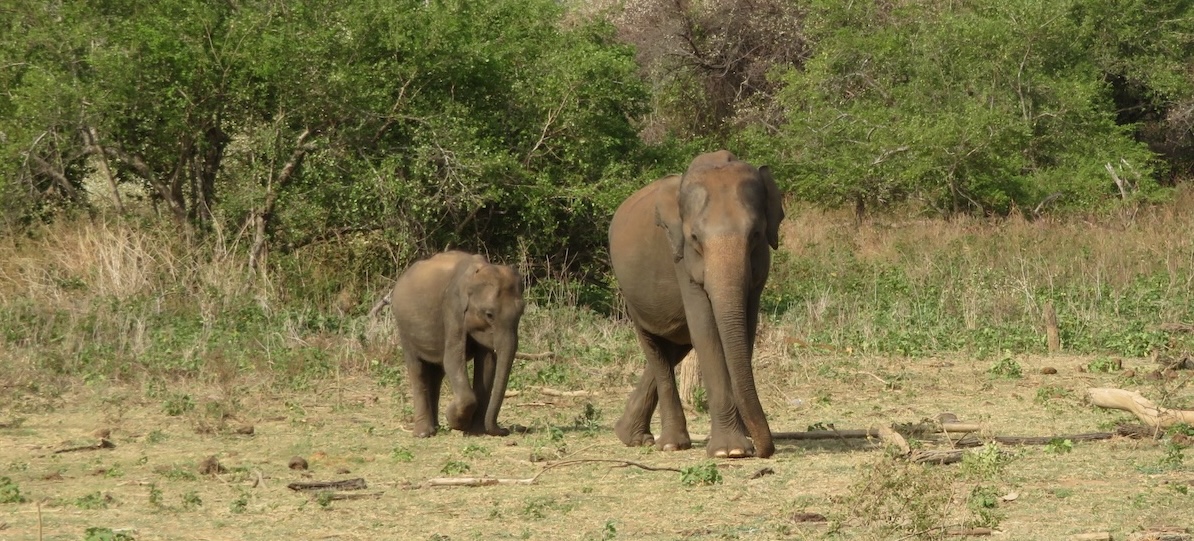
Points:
(964, 108)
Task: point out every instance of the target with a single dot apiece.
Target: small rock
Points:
(343, 471)
(1129, 373)
(1049, 370)
(103, 433)
(297, 463)
(210, 466)
(1010, 496)
(247, 430)
(809, 517)
(761, 473)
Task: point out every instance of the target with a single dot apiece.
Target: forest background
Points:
(182, 181)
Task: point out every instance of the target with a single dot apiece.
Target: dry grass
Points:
(172, 346)
(354, 428)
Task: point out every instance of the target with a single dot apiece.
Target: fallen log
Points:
(1143, 408)
(1040, 440)
(874, 432)
(548, 391)
(475, 481)
(936, 456)
(103, 444)
(347, 484)
(334, 496)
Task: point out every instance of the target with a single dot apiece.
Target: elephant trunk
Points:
(504, 350)
(727, 282)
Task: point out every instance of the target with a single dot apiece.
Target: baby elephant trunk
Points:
(504, 348)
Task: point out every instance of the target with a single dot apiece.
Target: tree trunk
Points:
(1052, 334)
(261, 218)
(689, 374)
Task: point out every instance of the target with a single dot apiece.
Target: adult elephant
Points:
(691, 254)
(451, 308)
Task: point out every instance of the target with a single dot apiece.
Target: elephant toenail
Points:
(738, 453)
(670, 447)
(721, 453)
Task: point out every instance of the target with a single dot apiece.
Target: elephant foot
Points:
(730, 446)
(425, 430)
(632, 434)
(460, 418)
(480, 430)
(676, 442)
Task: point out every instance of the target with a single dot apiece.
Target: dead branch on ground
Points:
(347, 484)
(103, 444)
(1143, 408)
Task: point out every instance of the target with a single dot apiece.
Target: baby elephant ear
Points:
(667, 216)
(775, 206)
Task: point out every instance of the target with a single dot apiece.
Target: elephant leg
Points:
(673, 425)
(657, 386)
(425, 381)
(634, 427)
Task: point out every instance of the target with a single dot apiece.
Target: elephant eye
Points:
(489, 315)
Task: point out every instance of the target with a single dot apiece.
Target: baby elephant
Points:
(450, 308)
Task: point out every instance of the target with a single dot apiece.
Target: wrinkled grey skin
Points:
(452, 308)
(691, 254)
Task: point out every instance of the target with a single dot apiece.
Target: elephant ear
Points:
(469, 281)
(667, 216)
(775, 206)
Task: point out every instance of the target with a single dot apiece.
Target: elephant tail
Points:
(380, 304)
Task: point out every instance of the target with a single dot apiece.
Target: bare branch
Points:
(46, 168)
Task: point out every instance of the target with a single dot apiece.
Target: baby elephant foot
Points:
(673, 442)
(425, 430)
(730, 446)
(632, 434)
(460, 418)
(480, 430)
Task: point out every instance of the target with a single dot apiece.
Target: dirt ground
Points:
(149, 487)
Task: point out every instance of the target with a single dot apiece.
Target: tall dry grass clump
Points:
(119, 299)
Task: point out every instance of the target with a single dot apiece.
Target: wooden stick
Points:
(103, 444)
(476, 481)
(339, 496)
(552, 392)
(874, 432)
(1143, 408)
(347, 484)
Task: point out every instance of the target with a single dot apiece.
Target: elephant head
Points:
(493, 306)
(720, 227)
